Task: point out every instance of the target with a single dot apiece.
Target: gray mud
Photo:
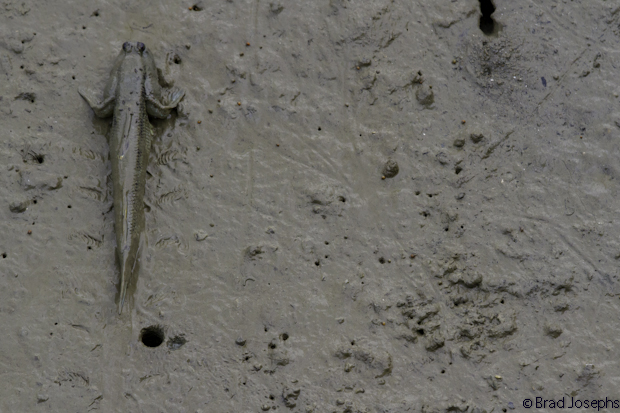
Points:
(363, 206)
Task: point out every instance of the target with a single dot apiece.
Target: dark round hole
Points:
(152, 336)
(272, 345)
(4, 255)
(317, 263)
(443, 371)
(196, 7)
(382, 260)
(420, 331)
(319, 128)
(271, 397)
(502, 301)
(487, 24)
(34, 202)
(352, 342)
(39, 158)
(68, 206)
(284, 336)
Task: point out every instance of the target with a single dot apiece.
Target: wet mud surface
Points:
(360, 207)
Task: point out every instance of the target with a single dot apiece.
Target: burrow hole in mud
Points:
(382, 260)
(284, 336)
(487, 24)
(152, 336)
(196, 7)
(272, 346)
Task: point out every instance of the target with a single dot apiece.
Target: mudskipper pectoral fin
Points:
(169, 100)
(101, 109)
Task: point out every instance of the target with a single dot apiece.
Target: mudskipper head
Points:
(134, 47)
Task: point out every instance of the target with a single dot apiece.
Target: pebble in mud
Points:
(240, 342)
(390, 169)
(176, 342)
(18, 207)
(553, 330)
(425, 95)
(476, 137)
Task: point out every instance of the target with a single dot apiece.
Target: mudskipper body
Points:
(131, 95)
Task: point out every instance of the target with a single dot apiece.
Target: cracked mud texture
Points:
(281, 272)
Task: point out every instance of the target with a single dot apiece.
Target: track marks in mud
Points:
(165, 241)
(90, 192)
(167, 156)
(91, 241)
(176, 194)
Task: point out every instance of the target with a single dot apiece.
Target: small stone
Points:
(364, 62)
(19, 207)
(553, 331)
(460, 195)
(425, 95)
(240, 342)
(290, 397)
(176, 342)
(442, 158)
(476, 137)
(459, 142)
(434, 343)
(16, 46)
(201, 235)
(390, 169)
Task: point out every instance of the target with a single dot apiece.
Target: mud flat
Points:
(361, 207)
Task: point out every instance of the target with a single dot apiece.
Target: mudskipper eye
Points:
(126, 46)
(141, 47)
